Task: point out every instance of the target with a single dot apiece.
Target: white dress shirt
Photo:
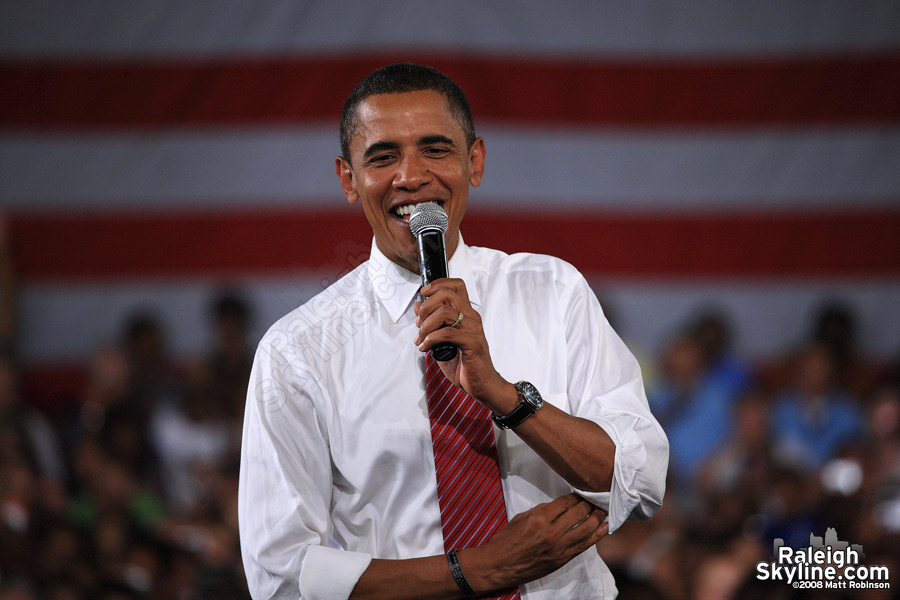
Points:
(337, 465)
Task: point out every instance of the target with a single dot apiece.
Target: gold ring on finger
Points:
(459, 320)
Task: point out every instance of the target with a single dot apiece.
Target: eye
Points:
(436, 151)
(381, 159)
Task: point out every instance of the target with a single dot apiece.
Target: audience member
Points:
(834, 327)
(191, 437)
(687, 401)
(110, 417)
(153, 376)
(745, 463)
(815, 418)
(38, 439)
(231, 357)
(712, 330)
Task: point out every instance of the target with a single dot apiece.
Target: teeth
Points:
(405, 209)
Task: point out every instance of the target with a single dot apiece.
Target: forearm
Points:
(426, 578)
(530, 546)
(579, 450)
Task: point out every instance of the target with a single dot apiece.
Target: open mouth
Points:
(403, 211)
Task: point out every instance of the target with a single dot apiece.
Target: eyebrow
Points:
(435, 139)
(380, 147)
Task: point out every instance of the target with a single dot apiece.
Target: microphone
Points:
(428, 223)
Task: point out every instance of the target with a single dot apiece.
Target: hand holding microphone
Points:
(428, 223)
(474, 371)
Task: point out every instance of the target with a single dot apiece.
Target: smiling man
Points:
(370, 470)
(401, 149)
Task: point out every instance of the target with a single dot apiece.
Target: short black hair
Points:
(405, 77)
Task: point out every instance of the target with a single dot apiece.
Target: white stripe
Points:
(462, 497)
(259, 168)
(446, 406)
(235, 27)
(69, 322)
(464, 527)
(192, 170)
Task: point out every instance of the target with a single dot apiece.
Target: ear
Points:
(348, 182)
(476, 161)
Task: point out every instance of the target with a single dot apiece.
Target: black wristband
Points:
(458, 574)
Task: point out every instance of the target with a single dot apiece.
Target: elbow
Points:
(598, 481)
(598, 477)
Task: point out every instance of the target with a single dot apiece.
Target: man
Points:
(344, 476)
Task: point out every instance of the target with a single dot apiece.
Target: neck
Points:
(450, 243)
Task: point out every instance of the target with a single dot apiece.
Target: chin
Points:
(412, 265)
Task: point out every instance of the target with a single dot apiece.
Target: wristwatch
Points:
(529, 402)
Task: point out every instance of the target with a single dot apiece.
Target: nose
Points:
(412, 173)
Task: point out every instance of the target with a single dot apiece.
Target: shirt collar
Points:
(396, 287)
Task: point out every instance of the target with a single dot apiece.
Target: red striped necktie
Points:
(465, 458)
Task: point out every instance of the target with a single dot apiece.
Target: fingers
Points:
(442, 317)
(575, 515)
(601, 533)
(444, 291)
(444, 297)
(558, 507)
(459, 338)
(585, 534)
(588, 537)
(581, 523)
(543, 539)
(457, 286)
(586, 528)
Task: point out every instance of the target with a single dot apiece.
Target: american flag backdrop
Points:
(745, 154)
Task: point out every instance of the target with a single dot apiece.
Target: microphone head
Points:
(428, 215)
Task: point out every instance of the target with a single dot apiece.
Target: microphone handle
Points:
(433, 265)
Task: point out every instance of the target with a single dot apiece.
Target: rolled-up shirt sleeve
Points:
(285, 488)
(605, 386)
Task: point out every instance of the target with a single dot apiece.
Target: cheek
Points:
(373, 194)
(457, 182)
(375, 182)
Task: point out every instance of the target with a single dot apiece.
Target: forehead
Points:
(401, 116)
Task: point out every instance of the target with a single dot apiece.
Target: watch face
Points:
(530, 402)
(530, 394)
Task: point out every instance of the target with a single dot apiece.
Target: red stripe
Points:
(857, 243)
(49, 94)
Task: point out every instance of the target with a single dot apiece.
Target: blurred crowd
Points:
(130, 492)
(780, 449)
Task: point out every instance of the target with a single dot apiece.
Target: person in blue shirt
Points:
(812, 422)
(695, 408)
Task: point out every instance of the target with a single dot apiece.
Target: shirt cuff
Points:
(622, 497)
(331, 574)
